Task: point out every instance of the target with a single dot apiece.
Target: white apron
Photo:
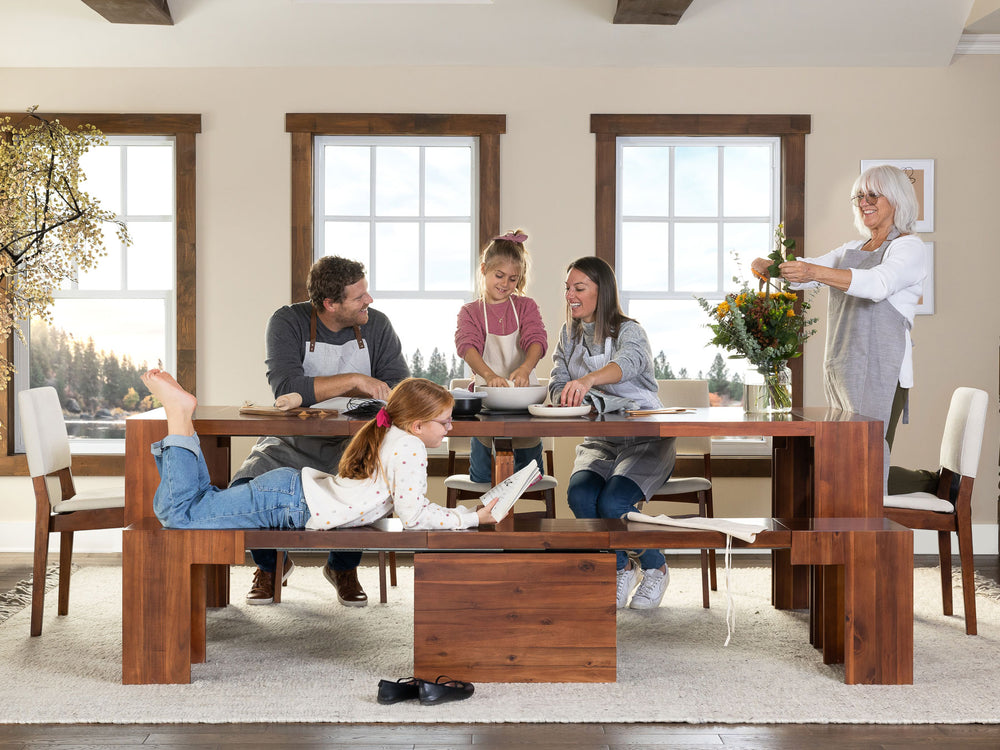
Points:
(322, 453)
(647, 461)
(503, 354)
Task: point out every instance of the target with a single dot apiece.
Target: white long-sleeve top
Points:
(899, 279)
(336, 502)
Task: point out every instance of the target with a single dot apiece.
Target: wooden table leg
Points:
(503, 467)
(791, 497)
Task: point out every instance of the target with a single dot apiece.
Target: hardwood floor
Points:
(15, 567)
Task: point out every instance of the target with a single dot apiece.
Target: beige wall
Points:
(948, 114)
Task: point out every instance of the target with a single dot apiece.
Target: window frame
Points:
(790, 129)
(304, 127)
(182, 128)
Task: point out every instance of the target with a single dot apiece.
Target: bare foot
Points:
(177, 403)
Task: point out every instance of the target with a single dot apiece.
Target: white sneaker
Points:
(628, 579)
(651, 590)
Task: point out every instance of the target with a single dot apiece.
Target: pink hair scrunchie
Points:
(382, 418)
(512, 237)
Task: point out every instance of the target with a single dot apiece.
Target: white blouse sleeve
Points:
(406, 472)
(902, 267)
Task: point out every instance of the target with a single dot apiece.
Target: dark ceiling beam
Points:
(666, 12)
(133, 11)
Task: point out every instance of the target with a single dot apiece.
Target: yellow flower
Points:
(722, 309)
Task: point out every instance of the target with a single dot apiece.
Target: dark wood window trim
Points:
(184, 128)
(791, 129)
(304, 127)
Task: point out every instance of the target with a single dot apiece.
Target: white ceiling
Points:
(283, 33)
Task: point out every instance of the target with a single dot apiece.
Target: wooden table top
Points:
(702, 422)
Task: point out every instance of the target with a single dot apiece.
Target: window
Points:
(139, 301)
(413, 197)
(404, 206)
(692, 214)
(678, 195)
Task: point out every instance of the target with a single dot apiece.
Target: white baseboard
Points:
(19, 537)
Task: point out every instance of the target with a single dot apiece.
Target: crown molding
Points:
(978, 44)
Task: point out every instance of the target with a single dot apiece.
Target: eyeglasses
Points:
(871, 198)
(446, 423)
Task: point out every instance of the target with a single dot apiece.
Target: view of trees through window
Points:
(97, 389)
(117, 319)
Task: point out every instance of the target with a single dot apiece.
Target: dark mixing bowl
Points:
(467, 407)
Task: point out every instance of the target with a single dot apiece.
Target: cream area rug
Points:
(311, 660)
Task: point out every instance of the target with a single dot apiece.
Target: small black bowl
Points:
(466, 407)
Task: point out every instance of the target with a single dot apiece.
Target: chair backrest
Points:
(46, 442)
(692, 393)
(963, 431)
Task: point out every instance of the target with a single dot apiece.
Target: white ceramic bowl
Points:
(513, 398)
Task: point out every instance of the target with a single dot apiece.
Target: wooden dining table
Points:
(825, 463)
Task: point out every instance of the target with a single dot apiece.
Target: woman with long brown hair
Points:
(604, 359)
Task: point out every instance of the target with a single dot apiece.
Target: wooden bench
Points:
(535, 585)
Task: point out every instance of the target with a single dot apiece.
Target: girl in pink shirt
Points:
(501, 337)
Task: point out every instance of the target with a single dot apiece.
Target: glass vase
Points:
(767, 389)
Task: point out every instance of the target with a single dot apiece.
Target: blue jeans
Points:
(481, 460)
(185, 499)
(591, 497)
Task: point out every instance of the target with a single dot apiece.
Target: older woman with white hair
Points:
(875, 286)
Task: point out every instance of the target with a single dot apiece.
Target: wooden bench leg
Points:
(164, 578)
(878, 609)
(867, 594)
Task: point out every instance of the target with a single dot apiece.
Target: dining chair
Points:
(461, 487)
(961, 445)
(58, 506)
(693, 489)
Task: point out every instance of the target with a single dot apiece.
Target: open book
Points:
(510, 489)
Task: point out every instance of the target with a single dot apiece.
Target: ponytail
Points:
(414, 399)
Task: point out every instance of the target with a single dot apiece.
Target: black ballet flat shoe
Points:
(403, 689)
(432, 693)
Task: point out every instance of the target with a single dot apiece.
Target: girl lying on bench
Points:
(384, 466)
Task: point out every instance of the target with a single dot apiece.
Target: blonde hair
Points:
(413, 400)
(500, 251)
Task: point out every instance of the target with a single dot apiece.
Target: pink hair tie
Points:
(382, 418)
(512, 237)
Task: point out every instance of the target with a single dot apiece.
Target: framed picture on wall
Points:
(926, 304)
(921, 172)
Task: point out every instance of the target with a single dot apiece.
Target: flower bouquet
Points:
(766, 327)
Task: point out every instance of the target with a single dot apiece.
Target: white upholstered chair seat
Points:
(110, 497)
(682, 485)
(918, 501)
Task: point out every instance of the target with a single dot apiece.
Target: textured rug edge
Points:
(19, 597)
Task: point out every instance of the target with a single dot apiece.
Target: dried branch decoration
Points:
(50, 229)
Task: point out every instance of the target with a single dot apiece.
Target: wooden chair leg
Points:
(710, 509)
(383, 594)
(550, 503)
(41, 561)
(968, 574)
(65, 568)
(279, 573)
(392, 569)
(451, 498)
(944, 559)
(704, 579)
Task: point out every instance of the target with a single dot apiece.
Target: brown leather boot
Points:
(349, 591)
(262, 589)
